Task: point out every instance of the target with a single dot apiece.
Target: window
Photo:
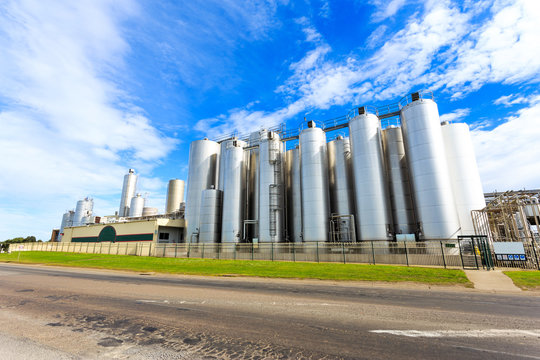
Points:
(163, 236)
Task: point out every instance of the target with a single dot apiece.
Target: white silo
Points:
(339, 176)
(234, 191)
(128, 192)
(464, 175)
(83, 211)
(314, 178)
(372, 203)
(202, 175)
(67, 221)
(271, 192)
(398, 179)
(294, 195)
(136, 206)
(253, 187)
(432, 188)
(209, 216)
(175, 195)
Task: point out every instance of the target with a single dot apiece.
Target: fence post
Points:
(442, 253)
(460, 254)
(164, 249)
(373, 252)
(272, 250)
(535, 256)
(406, 254)
(343, 251)
(218, 251)
(294, 251)
(150, 250)
(252, 251)
(202, 251)
(234, 255)
(317, 251)
(474, 251)
(175, 250)
(100, 247)
(117, 248)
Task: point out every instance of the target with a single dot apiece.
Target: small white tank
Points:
(175, 195)
(136, 207)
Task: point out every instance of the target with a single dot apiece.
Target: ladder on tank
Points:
(275, 189)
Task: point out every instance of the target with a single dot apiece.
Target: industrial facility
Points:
(377, 174)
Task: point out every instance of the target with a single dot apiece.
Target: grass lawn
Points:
(324, 271)
(527, 280)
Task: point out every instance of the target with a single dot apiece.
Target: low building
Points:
(156, 230)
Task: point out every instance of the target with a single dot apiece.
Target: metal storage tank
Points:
(339, 176)
(149, 211)
(136, 206)
(83, 211)
(271, 190)
(294, 195)
(234, 192)
(372, 202)
(203, 174)
(430, 178)
(398, 180)
(175, 195)
(67, 221)
(128, 192)
(210, 216)
(252, 208)
(314, 182)
(464, 175)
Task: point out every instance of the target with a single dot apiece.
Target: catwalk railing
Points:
(449, 253)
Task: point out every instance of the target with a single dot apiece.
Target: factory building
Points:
(378, 174)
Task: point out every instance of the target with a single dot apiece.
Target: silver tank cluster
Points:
(415, 180)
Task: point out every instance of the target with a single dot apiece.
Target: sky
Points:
(91, 88)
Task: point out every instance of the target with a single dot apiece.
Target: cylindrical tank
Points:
(430, 178)
(340, 177)
(175, 195)
(149, 211)
(294, 195)
(203, 173)
(128, 192)
(271, 190)
(83, 211)
(464, 175)
(252, 208)
(136, 206)
(210, 216)
(314, 182)
(234, 191)
(372, 202)
(67, 221)
(398, 181)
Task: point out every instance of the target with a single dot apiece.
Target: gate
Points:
(474, 251)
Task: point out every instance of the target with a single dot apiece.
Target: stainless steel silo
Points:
(252, 190)
(136, 206)
(314, 182)
(398, 180)
(339, 177)
(372, 202)
(271, 192)
(424, 145)
(202, 174)
(210, 216)
(223, 159)
(464, 175)
(175, 195)
(234, 192)
(294, 195)
(128, 192)
(83, 211)
(67, 221)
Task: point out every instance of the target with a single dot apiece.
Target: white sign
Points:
(514, 248)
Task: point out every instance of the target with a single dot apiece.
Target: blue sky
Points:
(91, 88)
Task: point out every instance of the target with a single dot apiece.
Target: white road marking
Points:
(489, 333)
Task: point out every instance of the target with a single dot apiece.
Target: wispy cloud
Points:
(509, 100)
(386, 9)
(456, 115)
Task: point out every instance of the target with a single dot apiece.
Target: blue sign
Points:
(510, 257)
(521, 257)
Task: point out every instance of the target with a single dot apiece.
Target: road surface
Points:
(65, 313)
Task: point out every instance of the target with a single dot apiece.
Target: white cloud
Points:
(455, 115)
(506, 155)
(386, 9)
(510, 100)
(68, 130)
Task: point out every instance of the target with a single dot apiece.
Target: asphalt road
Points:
(63, 313)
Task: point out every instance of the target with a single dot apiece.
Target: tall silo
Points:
(430, 178)
(136, 206)
(464, 175)
(234, 191)
(210, 216)
(314, 182)
(398, 180)
(294, 195)
(67, 221)
(271, 190)
(202, 174)
(83, 211)
(128, 192)
(372, 202)
(175, 195)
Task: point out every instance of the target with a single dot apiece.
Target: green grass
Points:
(324, 271)
(527, 280)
